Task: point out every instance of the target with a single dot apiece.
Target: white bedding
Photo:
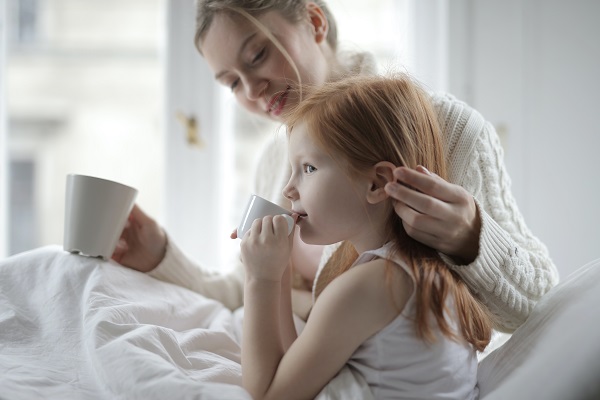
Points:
(555, 354)
(80, 328)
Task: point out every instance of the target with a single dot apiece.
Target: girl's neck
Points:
(370, 239)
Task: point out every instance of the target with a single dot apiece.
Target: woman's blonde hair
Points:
(348, 63)
(292, 10)
(361, 121)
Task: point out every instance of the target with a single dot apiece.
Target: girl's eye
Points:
(309, 169)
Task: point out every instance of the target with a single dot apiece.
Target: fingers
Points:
(120, 250)
(423, 181)
(268, 226)
(416, 221)
(435, 212)
(421, 202)
(283, 225)
(255, 228)
(419, 235)
(139, 217)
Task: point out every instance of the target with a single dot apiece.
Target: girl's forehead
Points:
(298, 138)
(302, 144)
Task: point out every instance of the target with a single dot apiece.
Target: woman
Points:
(265, 49)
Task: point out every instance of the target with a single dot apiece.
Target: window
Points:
(86, 99)
(83, 95)
(24, 14)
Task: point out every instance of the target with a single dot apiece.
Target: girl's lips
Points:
(277, 103)
(299, 216)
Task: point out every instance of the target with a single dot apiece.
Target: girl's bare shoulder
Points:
(377, 290)
(381, 278)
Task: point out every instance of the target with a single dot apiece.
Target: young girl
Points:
(388, 306)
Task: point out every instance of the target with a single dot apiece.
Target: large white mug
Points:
(258, 207)
(96, 212)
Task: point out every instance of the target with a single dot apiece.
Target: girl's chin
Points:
(313, 239)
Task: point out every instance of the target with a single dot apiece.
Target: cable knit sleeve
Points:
(513, 268)
(272, 172)
(177, 268)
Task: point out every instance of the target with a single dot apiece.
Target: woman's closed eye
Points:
(258, 56)
(234, 84)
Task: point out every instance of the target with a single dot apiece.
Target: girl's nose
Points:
(289, 191)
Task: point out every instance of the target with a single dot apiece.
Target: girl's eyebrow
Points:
(242, 47)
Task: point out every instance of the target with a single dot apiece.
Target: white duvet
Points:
(79, 328)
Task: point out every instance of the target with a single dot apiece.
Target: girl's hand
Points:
(142, 244)
(266, 248)
(437, 213)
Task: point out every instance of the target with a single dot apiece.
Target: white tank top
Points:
(399, 365)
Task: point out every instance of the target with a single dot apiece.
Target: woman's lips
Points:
(277, 103)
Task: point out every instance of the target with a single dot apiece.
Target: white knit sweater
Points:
(512, 270)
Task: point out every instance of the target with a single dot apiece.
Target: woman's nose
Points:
(255, 88)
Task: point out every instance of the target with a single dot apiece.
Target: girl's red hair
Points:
(361, 121)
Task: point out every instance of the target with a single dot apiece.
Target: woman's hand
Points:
(266, 248)
(143, 242)
(437, 213)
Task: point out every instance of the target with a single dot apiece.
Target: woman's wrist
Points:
(469, 249)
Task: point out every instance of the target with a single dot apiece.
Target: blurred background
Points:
(115, 89)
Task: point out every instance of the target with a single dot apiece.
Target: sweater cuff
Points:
(175, 267)
(178, 269)
(487, 275)
(494, 247)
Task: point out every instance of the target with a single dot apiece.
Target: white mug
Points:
(258, 207)
(96, 212)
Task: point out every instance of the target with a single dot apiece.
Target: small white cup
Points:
(258, 207)
(96, 212)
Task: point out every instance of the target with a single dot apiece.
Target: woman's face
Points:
(244, 59)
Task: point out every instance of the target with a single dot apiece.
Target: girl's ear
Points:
(383, 172)
(318, 21)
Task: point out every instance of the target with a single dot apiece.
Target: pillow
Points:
(555, 354)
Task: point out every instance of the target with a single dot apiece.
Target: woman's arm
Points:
(177, 268)
(145, 247)
(474, 221)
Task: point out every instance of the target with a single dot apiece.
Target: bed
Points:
(79, 328)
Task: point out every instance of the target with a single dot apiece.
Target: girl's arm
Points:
(286, 322)
(350, 310)
(266, 250)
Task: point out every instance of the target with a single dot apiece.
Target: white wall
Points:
(3, 139)
(531, 68)
(196, 195)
